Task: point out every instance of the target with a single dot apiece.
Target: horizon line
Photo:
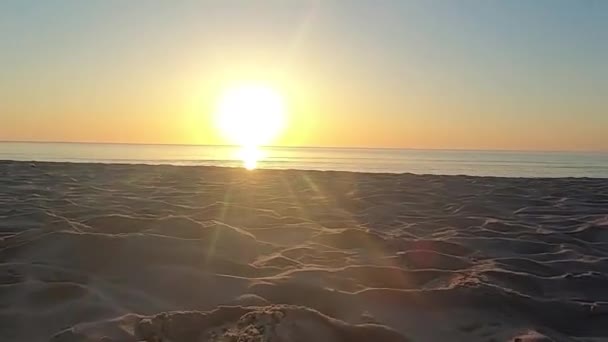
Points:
(301, 146)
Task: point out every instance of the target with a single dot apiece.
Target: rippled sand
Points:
(165, 253)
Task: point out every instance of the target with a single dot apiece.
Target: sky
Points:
(517, 74)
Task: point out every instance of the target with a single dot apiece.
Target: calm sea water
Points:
(448, 162)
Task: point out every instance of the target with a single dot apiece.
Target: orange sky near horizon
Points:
(183, 114)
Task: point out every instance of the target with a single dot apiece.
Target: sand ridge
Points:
(108, 252)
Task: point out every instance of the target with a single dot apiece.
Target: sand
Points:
(93, 252)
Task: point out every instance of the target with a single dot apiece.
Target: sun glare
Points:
(250, 115)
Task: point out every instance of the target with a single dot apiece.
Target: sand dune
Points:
(93, 252)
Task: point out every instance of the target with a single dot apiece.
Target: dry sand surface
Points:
(167, 253)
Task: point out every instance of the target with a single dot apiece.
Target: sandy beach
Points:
(108, 252)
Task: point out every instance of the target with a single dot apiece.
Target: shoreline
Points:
(59, 163)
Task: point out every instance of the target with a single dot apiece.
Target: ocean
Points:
(445, 162)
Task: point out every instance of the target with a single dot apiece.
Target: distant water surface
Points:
(447, 162)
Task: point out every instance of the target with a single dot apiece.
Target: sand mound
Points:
(278, 323)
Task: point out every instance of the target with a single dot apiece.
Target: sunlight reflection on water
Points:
(250, 155)
(446, 162)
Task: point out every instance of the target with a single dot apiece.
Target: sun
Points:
(250, 115)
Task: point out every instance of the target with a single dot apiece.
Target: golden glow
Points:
(250, 115)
